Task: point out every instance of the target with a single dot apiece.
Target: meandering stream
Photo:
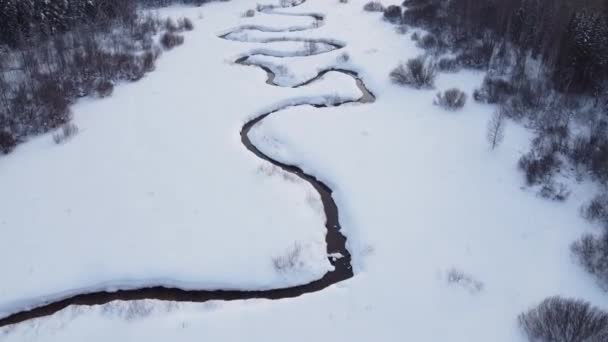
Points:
(336, 241)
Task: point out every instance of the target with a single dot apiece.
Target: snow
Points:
(157, 189)
(419, 191)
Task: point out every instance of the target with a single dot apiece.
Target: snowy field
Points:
(157, 189)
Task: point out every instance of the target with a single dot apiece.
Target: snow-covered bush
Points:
(393, 14)
(104, 88)
(418, 72)
(554, 191)
(170, 40)
(476, 56)
(185, 24)
(559, 319)
(448, 64)
(428, 42)
(373, 6)
(539, 168)
(592, 253)
(493, 90)
(66, 132)
(249, 13)
(311, 47)
(451, 99)
(290, 261)
(170, 25)
(592, 152)
(401, 29)
(7, 142)
(344, 58)
(457, 277)
(597, 209)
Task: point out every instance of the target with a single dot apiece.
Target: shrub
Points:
(186, 24)
(464, 280)
(7, 142)
(428, 42)
(67, 132)
(592, 152)
(597, 209)
(451, 99)
(477, 56)
(149, 61)
(423, 14)
(555, 192)
(343, 1)
(344, 58)
(249, 13)
(494, 90)
(415, 36)
(104, 88)
(373, 6)
(171, 40)
(592, 253)
(538, 168)
(170, 25)
(290, 261)
(447, 64)
(559, 319)
(418, 72)
(393, 14)
(401, 29)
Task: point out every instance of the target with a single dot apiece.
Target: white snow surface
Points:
(158, 189)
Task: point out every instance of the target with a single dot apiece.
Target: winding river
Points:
(336, 241)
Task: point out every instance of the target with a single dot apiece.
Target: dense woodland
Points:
(53, 52)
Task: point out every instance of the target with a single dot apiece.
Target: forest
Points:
(53, 52)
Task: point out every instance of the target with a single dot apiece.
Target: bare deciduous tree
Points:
(496, 129)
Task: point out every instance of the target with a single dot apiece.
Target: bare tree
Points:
(496, 129)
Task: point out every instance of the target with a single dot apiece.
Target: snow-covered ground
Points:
(157, 189)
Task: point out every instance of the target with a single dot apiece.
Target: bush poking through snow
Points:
(447, 64)
(418, 72)
(7, 142)
(496, 129)
(592, 253)
(559, 319)
(170, 25)
(393, 14)
(249, 13)
(104, 88)
(344, 58)
(428, 42)
(539, 168)
(554, 191)
(310, 47)
(66, 132)
(464, 280)
(451, 99)
(401, 29)
(186, 24)
(494, 90)
(373, 6)
(171, 40)
(343, 1)
(290, 261)
(597, 210)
